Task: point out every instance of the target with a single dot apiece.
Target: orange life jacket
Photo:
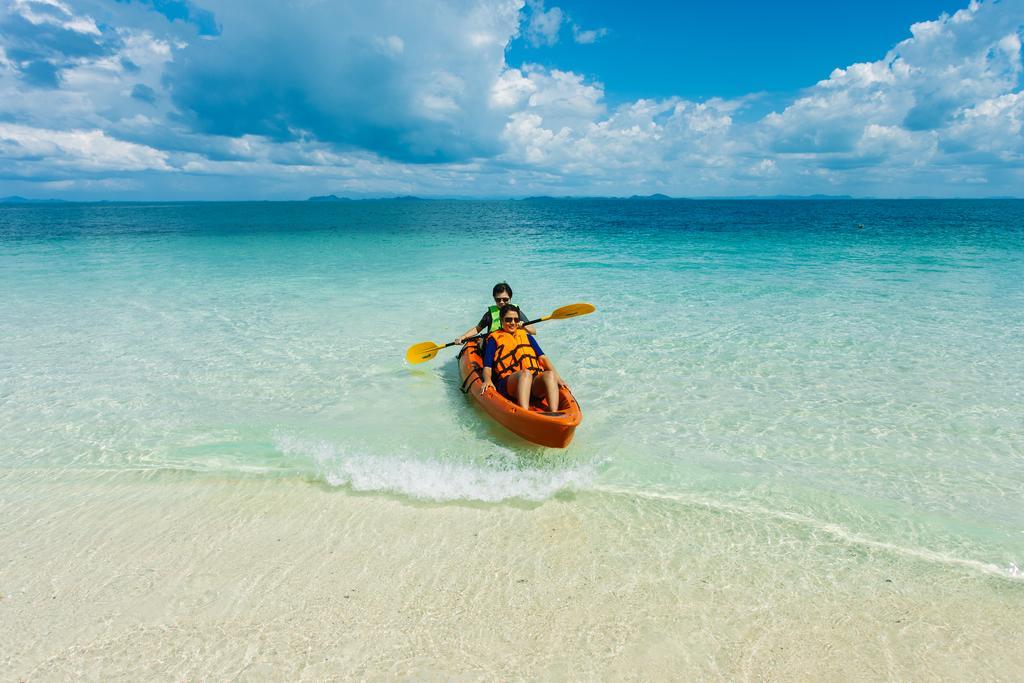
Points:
(514, 352)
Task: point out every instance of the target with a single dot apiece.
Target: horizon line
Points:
(14, 200)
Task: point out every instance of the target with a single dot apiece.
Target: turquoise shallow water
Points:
(855, 366)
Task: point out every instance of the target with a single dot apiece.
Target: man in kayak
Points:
(490, 322)
(514, 359)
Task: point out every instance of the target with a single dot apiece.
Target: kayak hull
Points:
(554, 430)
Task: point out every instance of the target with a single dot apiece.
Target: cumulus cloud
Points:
(919, 103)
(685, 147)
(946, 98)
(989, 132)
(44, 37)
(409, 80)
(410, 96)
(942, 102)
(543, 26)
(922, 84)
(75, 151)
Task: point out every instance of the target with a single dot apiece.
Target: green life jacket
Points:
(495, 318)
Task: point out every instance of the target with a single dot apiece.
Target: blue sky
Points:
(267, 99)
(726, 49)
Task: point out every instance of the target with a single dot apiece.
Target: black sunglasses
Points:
(502, 298)
(510, 320)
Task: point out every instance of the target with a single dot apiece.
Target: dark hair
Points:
(501, 287)
(506, 309)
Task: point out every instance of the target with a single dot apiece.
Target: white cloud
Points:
(565, 130)
(543, 26)
(77, 150)
(418, 90)
(319, 97)
(989, 132)
(511, 88)
(926, 102)
(940, 102)
(59, 15)
(392, 46)
(764, 169)
(564, 96)
(587, 37)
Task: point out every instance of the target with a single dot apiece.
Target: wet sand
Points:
(165, 576)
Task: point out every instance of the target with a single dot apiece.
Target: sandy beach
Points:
(136, 577)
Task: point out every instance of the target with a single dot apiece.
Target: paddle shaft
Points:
(424, 351)
(484, 334)
(481, 336)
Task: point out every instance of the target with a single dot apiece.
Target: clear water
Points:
(856, 367)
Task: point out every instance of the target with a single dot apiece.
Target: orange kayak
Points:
(537, 424)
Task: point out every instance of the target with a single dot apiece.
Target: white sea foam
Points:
(502, 476)
(836, 531)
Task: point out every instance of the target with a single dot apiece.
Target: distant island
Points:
(336, 198)
(664, 197)
(651, 197)
(328, 198)
(634, 198)
(795, 197)
(15, 199)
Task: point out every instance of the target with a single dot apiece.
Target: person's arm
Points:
(485, 377)
(485, 382)
(468, 333)
(485, 322)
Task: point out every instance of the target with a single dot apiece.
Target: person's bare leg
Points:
(525, 387)
(549, 386)
(520, 384)
(554, 396)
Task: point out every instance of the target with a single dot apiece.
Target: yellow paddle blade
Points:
(570, 311)
(423, 351)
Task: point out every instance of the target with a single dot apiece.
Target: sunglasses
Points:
(510, 320)
(502, 298)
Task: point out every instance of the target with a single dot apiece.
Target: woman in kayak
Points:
(490, 322)
(514, 359)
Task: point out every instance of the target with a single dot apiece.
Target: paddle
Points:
(424, 351)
